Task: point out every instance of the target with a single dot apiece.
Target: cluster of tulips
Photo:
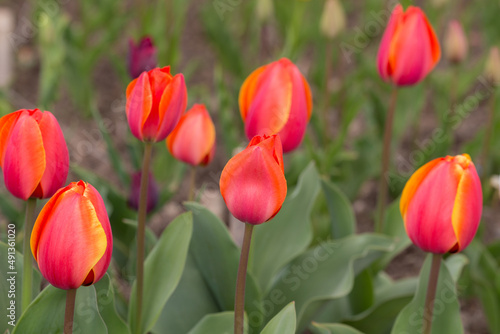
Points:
(71, 240)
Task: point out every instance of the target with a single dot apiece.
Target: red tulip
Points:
(33, 154)
(276, 99)
(253, 182)
(71, 238)
(141, 57)
(193, 139)
(155, 102)
(442, 203)
(409, 49)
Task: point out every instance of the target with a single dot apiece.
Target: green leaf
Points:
(341, 213)
(46, 313)
(217, 258)
(324, 272)
(283, 323)
(333, 329)
(12, 294)
(446, 307)
(106, 305)
(162, 271)
(188, 304)
(218, 323)
(288, 234)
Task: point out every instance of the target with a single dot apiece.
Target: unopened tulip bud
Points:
(455, 43)
(439, 3)
(135, 186)
(141, 57)
(264, 10)
(332, 19)
(492, 68)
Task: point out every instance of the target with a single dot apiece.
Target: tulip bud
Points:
(276, 99)
(492, 68)
(332, 20)
(253, 182)
(141, 57)
(409, 49)
(442, 203)
(135, 187)
(455, 43)
(264, 10)
(439, 3)
(193, 139)
(71, 239)
(33, 154)
(155, 102)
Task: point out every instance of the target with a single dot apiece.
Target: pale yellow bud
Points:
(332, 19)
(455, 43)
(492, 68)
(264, 10)
(439, 3)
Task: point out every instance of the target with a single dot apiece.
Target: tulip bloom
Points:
(153, 192)
(155, 102)
(253, 182)
(442, 203)
(71, 239)
(33, 154)
(409, 49)
(193, 139)
(276, 99)
(141, 57)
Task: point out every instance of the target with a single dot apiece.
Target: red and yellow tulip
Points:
(409, 49)
(155, 102)
(253, 182)
(33, 154)
(276, 99)
(193, 139)
(71, 240)
(442, 203)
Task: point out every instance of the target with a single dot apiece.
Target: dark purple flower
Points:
(135, 187)
(141, 57)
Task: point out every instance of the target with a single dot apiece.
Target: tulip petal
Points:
(247, 91)
(68, 249)
(139, 104)
(56, 155)
(173, 103)
(429, 213)
(270, 108)
(6, 124)
(468, 207)
(385, 44)
(24, 159)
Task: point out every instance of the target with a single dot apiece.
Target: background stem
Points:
(239, 302)
(27, 256)
(431, 292)
(192, 183)
(386, 150)
(141, 229)
(70, 311)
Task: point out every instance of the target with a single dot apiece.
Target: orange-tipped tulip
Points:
(155, 102)
(71, 239)
(455, 43)
(33, 154)
(193, 139)
(253, 182)
(276, 99)
(409, 49)
(442, 203)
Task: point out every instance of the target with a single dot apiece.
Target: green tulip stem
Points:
(431, 292)
(192, 183)
(239, 301)
(27, 257)
(70, 311)
(386, 150)
(141, 229)
(487, 139)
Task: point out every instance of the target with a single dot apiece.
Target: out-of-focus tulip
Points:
(71, 240)
(455, 43)
(135, 187)
(155, 102)
(33, 154)
(409, 49)
(492, 68)
(276, 99)
(193, 139)
(141, 56)
(439, 3)
(264, 10)
(332, 20)
(253, 182)
(442, 203)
